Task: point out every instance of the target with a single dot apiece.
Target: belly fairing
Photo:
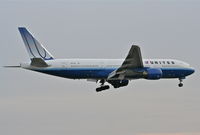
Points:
(83, 73)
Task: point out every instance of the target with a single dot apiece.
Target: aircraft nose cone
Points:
(192, 70)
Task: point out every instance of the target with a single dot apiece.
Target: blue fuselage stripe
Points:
(99, 73)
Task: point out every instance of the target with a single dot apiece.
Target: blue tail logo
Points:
(34, 48)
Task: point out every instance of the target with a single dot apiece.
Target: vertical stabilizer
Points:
(34, 48)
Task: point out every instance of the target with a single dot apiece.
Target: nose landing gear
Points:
(181, 82)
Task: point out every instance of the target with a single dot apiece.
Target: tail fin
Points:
(34, 48)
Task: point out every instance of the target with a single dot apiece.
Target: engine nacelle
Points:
(153, 73)
(118, 83)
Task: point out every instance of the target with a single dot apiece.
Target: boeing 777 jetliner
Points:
(117, 72)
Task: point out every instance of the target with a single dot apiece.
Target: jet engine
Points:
(153, 73)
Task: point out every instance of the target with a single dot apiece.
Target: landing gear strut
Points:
(102, 87)
(181, 82)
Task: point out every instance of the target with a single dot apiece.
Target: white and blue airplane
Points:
(117, 72)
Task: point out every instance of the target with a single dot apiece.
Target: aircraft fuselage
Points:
(101, 68)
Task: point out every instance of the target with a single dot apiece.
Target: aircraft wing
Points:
(133, 60)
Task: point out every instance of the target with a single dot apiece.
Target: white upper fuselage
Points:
(102, 68)
(112, 63)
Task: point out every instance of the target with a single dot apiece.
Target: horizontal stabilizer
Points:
(38, 62)
(11, 66)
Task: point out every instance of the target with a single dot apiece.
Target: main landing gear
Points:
(181, 82)
(102, 87)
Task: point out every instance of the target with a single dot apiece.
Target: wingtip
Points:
(20, 28)
(135, 46)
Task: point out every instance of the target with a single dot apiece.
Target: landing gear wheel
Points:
(104, 87)
(180, 85)
(181, 82)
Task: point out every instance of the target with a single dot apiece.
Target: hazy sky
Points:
(33, 103)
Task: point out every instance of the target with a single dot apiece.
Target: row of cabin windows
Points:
(159, 62)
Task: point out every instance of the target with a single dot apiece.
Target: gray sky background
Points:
(33, 103)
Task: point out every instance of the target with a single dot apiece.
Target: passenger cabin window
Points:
(146, 62)
(163, 62)
(173, 62)
(156, 62)
(160, 62)
(151, 62)
(168, 62)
